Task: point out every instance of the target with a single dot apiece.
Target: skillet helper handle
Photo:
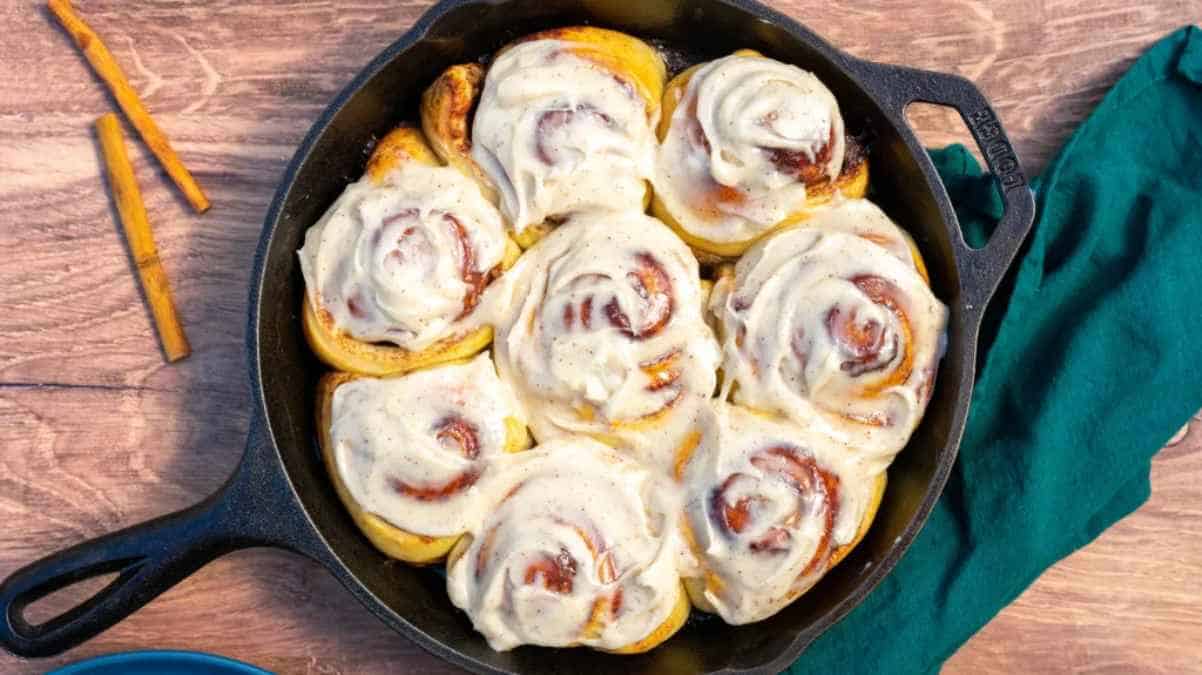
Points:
(981, 269)
(151, 557)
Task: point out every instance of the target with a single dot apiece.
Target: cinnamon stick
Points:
(106, 67)
(140, 238)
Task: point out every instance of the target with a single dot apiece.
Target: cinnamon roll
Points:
(575, 550)
(749, 145)
(834, 332)
(395, 268)
(600, 328)
(406, 453)
(770, 507)
(563, 122)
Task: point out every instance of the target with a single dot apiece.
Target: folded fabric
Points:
(1093, 366)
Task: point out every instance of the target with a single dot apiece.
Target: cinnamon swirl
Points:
(600, 328)
(769, 508)
(834, 332)
(406, 453)
(563, 122)
(575, 550)
(395, 268)
(748, 145)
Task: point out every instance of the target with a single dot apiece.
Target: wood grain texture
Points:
(96, 432)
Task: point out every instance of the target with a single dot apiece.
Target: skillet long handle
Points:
(149, 558)
(981, 270)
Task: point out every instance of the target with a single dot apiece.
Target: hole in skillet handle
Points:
(57, 602)
(981, 269)
(147, 559)
(976, 195)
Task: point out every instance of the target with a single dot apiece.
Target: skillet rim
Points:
(965, 349)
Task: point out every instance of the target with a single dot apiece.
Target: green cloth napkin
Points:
(1094, 364)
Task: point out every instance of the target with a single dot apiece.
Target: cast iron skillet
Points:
(280, 495)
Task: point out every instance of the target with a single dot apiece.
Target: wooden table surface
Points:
(97, 433)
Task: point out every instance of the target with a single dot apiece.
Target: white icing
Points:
(570, 524)
(575, 367)
(746, 456)
(746, 107)
(595, 147)
(867, 221)
(396, 251)
(778, 314)
(386, 432)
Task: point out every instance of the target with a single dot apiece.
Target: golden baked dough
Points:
(388, 538)
(346, 353)
(342, 351)
(674, 622)
(874, 505)
(446, 110)
(402, 144)
(852, 181)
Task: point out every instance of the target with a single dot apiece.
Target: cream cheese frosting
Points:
(558, 133)
(834, 332)
(574, 551)
(729, 166)
(403, 261)
(865, 220)
(600, 328)
(767, 503)
(413, 450)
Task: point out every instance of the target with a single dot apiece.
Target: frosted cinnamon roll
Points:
(748, 145)
(563, 122)
(600, 328)
(834, 332)
(770, 507)
(407, 453)
(573, 551)
(395, 268)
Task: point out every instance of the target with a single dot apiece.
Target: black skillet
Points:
(280, 496)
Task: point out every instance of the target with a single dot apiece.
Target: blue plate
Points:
(160, 662)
